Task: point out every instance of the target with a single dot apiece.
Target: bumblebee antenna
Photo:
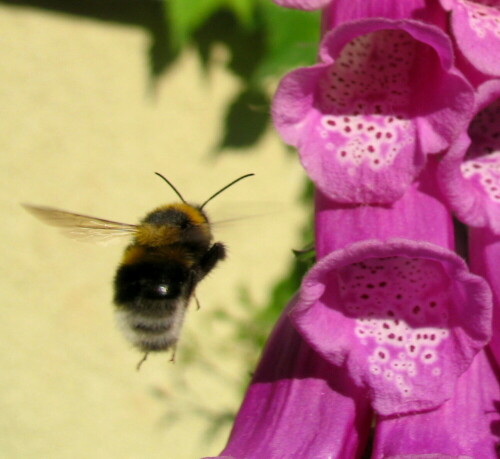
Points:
(172, 186)
(224, 188)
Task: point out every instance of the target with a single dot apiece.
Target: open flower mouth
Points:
(470, 174)
(405, 324)
(476, 26)
(482, 159)
(382, 98)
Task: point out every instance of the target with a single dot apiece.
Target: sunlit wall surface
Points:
(91, 104)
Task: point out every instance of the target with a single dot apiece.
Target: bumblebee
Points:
(172, 250)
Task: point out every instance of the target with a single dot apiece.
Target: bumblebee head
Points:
(174, 223)
(178, 215)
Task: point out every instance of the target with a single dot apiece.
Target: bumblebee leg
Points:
(213, 255)
(142, 361)
(174, 350)
(197, 302)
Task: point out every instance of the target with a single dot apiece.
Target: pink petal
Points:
(484, 253)
(341, 11)
(466, 426)
(476, 27)
(298, 406)
(469, 175)
(419, 215)
(364, 119)
(308, 5)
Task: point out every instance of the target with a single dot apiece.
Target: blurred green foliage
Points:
(264, 41)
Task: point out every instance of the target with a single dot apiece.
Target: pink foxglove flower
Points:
(470, 173)
(383, 96)
(475, 25)
(386, 300)
(470, 179)
(390, 327)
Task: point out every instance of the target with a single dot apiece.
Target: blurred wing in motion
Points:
(82, 227)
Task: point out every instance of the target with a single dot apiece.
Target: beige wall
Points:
(80, 130)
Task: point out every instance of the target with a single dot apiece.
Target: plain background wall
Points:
(82, 130)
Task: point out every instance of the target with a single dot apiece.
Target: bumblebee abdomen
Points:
(148, 285)
(151, 299)
(151, 334)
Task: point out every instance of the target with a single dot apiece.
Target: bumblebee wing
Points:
(82, 227)
(252, 211)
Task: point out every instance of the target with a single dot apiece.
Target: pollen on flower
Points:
(398, 305)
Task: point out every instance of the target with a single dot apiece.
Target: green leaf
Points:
(292, 38)
(185, 16)
(244, 11)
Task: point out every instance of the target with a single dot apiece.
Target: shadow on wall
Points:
(247, 114)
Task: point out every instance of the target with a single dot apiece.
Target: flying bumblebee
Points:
(170, 253)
